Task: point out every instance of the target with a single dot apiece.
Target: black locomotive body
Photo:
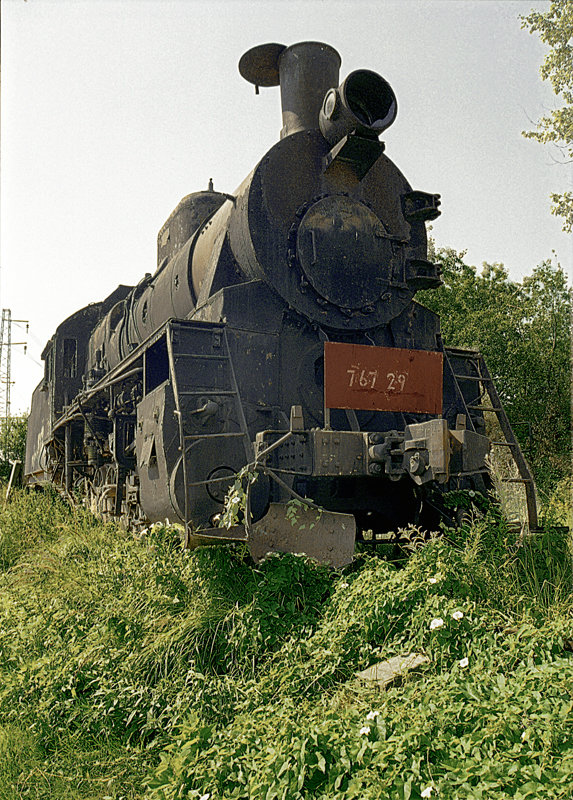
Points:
(279, 331)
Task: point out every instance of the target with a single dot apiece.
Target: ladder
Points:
(200, 366)
(469, 365)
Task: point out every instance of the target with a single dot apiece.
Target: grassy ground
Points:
(130, 669)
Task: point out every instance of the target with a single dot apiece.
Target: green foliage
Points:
(555, 29)
(12, 443)
(73, 770)
(490, 716)
(122, 656)
(559, 510)
(236, 498)
(523, 331)
(293, 511)
(29, 524)
(536, 569)
(108, 637)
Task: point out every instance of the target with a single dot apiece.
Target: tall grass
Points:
(516, 569)
(132, 669)
(28, 523)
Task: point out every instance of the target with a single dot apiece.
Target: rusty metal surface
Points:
(382, 378)
(325, 536)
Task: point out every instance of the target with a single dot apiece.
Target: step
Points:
(207, 393)
(201, 356)
(471, 378)
(194, 436)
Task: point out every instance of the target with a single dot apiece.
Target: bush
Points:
(12, 443)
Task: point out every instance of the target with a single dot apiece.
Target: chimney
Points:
(304, 71)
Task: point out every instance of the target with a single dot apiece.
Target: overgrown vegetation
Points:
(12, 443)
(131, 669)
(523, 330)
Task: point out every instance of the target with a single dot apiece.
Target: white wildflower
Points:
(365, 730)
(432, 580)
(428, 791)
(463, 662)
(344, 585)
(438, 622)
(458, 615)
(372, 714)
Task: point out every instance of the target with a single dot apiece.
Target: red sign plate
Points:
(382, 378)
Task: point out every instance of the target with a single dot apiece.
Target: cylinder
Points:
(307, 70)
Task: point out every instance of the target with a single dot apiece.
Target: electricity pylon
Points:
(6, 345)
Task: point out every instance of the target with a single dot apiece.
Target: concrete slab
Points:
(384, 672)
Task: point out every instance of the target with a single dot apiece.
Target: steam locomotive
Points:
(278, 339)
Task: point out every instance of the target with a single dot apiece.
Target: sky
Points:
(113, 110)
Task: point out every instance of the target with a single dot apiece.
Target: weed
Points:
(124, 656)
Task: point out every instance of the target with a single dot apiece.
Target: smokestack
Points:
(304, 71)
(307, 71)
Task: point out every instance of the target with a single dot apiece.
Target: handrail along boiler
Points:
(279, 331)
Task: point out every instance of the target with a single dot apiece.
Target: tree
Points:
(12, 443)
(555, 28)
(523, 331)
